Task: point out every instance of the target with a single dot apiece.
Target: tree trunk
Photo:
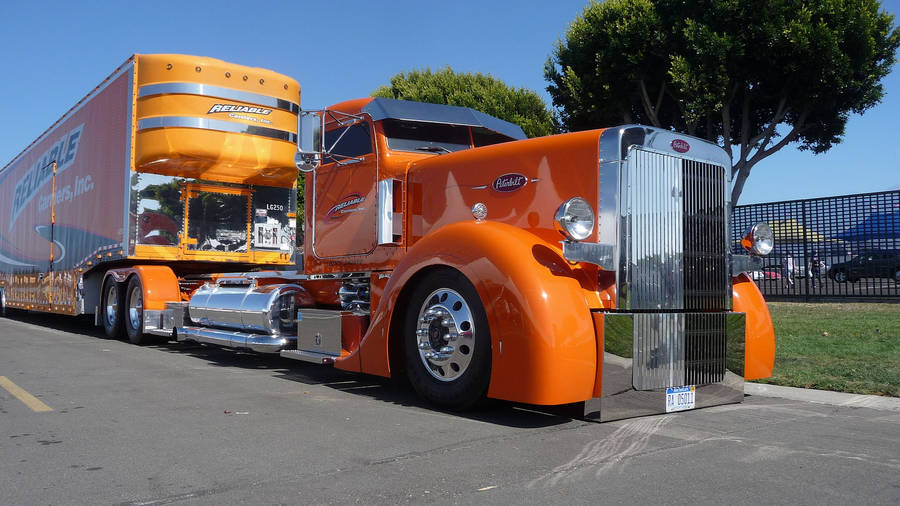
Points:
(740, 177)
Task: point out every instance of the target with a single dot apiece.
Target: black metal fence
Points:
(844, 247)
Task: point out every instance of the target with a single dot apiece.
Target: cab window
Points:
(420, 136)
(355, 141)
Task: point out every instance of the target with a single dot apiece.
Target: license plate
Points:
(679, 398)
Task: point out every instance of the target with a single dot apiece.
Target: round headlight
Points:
(759, 239)
(575, 219)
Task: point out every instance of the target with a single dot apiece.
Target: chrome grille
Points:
(673, 250)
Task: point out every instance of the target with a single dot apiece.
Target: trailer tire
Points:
(133, 315)
(111, 308)
(447, 341)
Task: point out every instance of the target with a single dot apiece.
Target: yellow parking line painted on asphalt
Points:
(29, 400)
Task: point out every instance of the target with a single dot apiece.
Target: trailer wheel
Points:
(111, 308)
(447, 341)
(134, 311)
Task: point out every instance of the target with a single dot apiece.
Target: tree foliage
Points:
(751, 75)
(478, 91)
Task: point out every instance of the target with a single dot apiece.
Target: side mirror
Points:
(309, 141)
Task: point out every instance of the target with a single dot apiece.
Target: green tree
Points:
(478, 91)
(750, 75)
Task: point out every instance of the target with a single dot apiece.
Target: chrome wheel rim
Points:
(445, 331)
(135, 307)
(840, 277)
(112, 304)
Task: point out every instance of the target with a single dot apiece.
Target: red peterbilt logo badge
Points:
(509, 183)
(681, 146)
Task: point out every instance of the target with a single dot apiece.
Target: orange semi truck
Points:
(590, 268)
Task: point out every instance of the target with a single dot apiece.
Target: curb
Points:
(824, 397)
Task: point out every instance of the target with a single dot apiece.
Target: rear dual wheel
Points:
(111, 303)
(447, 341)
(122, 309)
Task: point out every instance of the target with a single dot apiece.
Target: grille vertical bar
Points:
(706, 283)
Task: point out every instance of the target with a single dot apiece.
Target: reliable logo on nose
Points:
(238, 108)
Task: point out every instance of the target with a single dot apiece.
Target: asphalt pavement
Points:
(189, 424)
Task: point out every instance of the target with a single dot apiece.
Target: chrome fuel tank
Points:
(268, 309)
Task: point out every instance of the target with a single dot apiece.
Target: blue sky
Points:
(55, 52)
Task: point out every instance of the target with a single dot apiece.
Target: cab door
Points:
(345, 197)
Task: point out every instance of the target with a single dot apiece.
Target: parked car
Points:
(868, 264)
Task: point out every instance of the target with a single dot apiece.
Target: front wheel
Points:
(840, 276)
(447, 341)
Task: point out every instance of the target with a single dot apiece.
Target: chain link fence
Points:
(845, 247)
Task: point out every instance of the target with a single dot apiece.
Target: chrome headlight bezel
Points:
(575, 219)
(759, 239)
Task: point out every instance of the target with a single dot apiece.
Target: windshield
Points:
(405, 135)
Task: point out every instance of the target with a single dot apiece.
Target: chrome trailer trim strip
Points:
(207, 90)
(215, 124)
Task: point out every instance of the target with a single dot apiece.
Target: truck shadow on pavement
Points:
(395, 391)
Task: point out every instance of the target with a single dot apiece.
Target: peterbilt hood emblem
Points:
(509, 182)
(681, 146)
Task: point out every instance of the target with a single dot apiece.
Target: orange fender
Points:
(544, 347)
(759, 351)
(158, 282)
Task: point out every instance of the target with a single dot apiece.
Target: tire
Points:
(449, 365)
(840, 276)
(133, 315)
(897, 275)
(111, 308)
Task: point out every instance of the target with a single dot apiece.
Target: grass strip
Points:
(843, 347)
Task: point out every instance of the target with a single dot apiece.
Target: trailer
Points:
(175, 167)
